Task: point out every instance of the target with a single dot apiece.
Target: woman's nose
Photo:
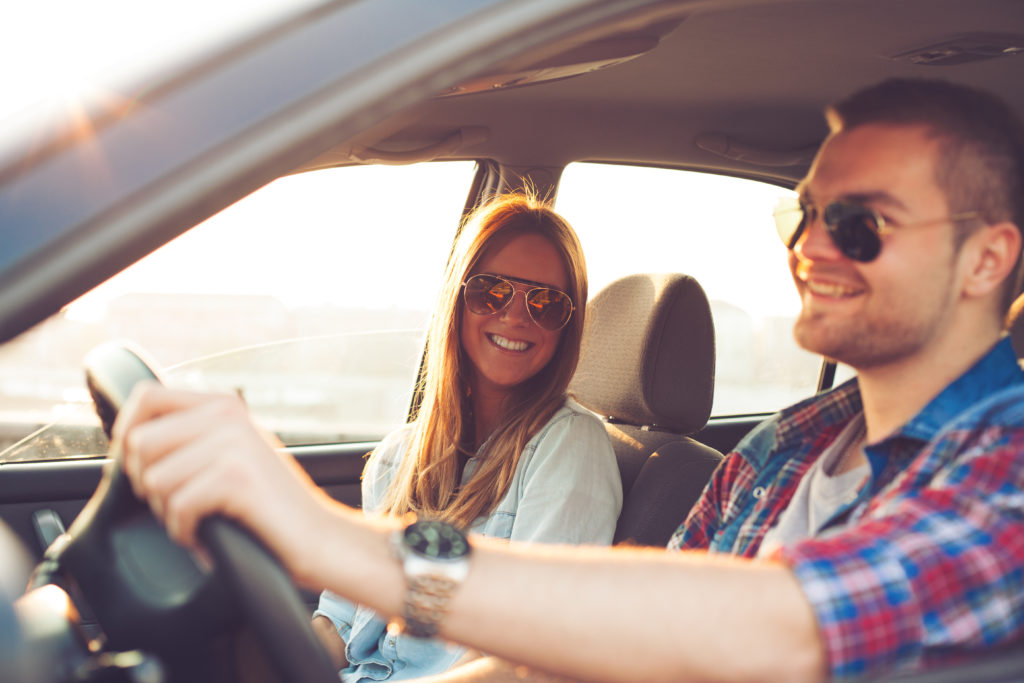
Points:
(517, 308)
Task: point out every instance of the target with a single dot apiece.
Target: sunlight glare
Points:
(61, 50)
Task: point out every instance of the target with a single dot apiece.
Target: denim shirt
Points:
(566, 489)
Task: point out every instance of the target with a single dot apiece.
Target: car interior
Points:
(623, 114)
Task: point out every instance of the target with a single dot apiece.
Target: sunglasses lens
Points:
(549, 308)
(854, 229)
(789, 221)
(486, 294)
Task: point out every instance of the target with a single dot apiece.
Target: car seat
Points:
(647, 367)
(1015, 325)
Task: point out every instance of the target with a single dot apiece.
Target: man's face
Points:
(873, 314)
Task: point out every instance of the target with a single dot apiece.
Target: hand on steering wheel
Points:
(147, 591)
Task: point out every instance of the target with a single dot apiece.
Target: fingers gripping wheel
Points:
(150, 593)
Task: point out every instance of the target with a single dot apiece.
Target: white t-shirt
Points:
(820, 493)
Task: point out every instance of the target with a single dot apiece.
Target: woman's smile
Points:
(507, 344)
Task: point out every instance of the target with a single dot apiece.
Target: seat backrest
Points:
(647, 367)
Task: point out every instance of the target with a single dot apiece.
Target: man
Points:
(873, 528)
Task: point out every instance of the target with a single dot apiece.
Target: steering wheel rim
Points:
(102, 554)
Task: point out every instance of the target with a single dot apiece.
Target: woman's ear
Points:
(992, 254)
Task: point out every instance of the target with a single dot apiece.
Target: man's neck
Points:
(892, 394)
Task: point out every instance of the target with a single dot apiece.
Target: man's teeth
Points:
(509, 344)
(830, 289)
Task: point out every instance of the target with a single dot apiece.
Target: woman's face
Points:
(507, 348)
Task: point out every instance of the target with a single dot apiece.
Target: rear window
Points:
(720, 231)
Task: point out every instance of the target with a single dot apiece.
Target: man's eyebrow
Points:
(875, 198)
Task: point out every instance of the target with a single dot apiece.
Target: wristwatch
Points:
(435, 558)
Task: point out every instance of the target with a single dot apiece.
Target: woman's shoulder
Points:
(571, 428)
(382, 466)
(391, 448)
(571, 415)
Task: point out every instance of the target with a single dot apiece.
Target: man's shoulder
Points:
(1003, 408)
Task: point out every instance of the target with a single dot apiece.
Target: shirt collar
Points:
(994, 371)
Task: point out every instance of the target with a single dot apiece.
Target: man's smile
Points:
(832, 289)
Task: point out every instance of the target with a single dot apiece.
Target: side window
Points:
(719, 230)
(309, 298)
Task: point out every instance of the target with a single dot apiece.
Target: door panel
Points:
(723, 433)
(64, 486)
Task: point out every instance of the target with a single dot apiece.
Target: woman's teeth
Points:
(508, 344)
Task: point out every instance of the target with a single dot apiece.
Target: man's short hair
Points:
(981, 145)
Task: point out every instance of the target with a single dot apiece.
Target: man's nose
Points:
(815, 243)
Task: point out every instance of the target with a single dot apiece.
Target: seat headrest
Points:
(1015, 325)
(648, 354)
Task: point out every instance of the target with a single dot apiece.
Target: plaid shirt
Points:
(928, 562)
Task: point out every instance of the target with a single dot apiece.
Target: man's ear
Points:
(991, 254)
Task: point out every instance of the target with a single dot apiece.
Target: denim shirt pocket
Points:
(497, 525)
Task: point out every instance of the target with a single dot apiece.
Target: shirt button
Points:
(759, 492)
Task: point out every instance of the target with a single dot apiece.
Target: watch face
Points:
(436, 540)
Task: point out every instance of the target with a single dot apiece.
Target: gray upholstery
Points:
(648, 354)
(647, 367)
(1015, 325)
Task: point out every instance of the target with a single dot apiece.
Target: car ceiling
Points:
(750, 75)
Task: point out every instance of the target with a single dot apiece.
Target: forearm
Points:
(596, 614)
(576, 611)
(638, 615)
(494, 670)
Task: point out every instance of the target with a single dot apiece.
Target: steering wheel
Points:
(149, 593)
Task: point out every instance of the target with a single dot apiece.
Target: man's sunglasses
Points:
(488, 294)
(855, 229)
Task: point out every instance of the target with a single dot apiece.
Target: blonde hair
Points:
(428, 478)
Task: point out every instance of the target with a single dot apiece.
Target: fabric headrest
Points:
(648, 355)
(1015, 325)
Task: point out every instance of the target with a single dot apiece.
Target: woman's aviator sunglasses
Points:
(488, 294)
(855, 229)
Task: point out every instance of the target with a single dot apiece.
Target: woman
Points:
(497, 446)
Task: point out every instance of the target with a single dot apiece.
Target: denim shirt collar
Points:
(996, 370)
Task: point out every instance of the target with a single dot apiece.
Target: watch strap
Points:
(426, 601)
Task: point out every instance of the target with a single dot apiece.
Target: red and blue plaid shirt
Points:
(928, 563)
